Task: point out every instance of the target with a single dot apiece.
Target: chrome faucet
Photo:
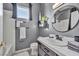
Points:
(58, 38)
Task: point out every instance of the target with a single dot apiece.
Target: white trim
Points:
(19, 51)
(56, 5)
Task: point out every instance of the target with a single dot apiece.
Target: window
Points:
(22, 12)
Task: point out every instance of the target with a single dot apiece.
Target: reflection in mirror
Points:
(74, 18)
(66, 20)
(62, 21)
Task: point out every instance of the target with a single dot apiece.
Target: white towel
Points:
(74, 18)
(22, 32)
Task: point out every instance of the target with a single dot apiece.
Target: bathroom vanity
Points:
(45, 51)
(48, 47)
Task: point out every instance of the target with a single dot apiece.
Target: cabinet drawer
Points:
(47, 50)
(42, 53)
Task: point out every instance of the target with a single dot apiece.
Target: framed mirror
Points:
(66, 19)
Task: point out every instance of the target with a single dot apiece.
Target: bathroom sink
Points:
(57, 42)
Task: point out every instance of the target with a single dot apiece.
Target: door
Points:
(1, 29)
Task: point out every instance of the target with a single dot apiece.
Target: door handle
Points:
(2, 44)
(46, 50)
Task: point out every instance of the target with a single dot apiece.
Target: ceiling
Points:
(8, 6)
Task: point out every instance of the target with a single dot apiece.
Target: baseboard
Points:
(19, 51)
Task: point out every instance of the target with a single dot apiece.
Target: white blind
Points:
(22, 33)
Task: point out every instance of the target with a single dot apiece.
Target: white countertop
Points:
(62, 51)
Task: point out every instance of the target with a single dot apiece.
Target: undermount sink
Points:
(57, 42)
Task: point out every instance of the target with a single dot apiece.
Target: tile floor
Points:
(22, 54)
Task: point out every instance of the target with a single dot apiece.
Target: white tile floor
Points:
(22, 54)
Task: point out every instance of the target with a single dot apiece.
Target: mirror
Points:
(66, 20)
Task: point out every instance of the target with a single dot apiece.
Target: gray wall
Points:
(46, 11)
(49, 13)
(33, 31)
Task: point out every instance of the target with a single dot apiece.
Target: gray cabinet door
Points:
(45, 51)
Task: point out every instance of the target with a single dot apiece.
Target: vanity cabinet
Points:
(45, 51)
